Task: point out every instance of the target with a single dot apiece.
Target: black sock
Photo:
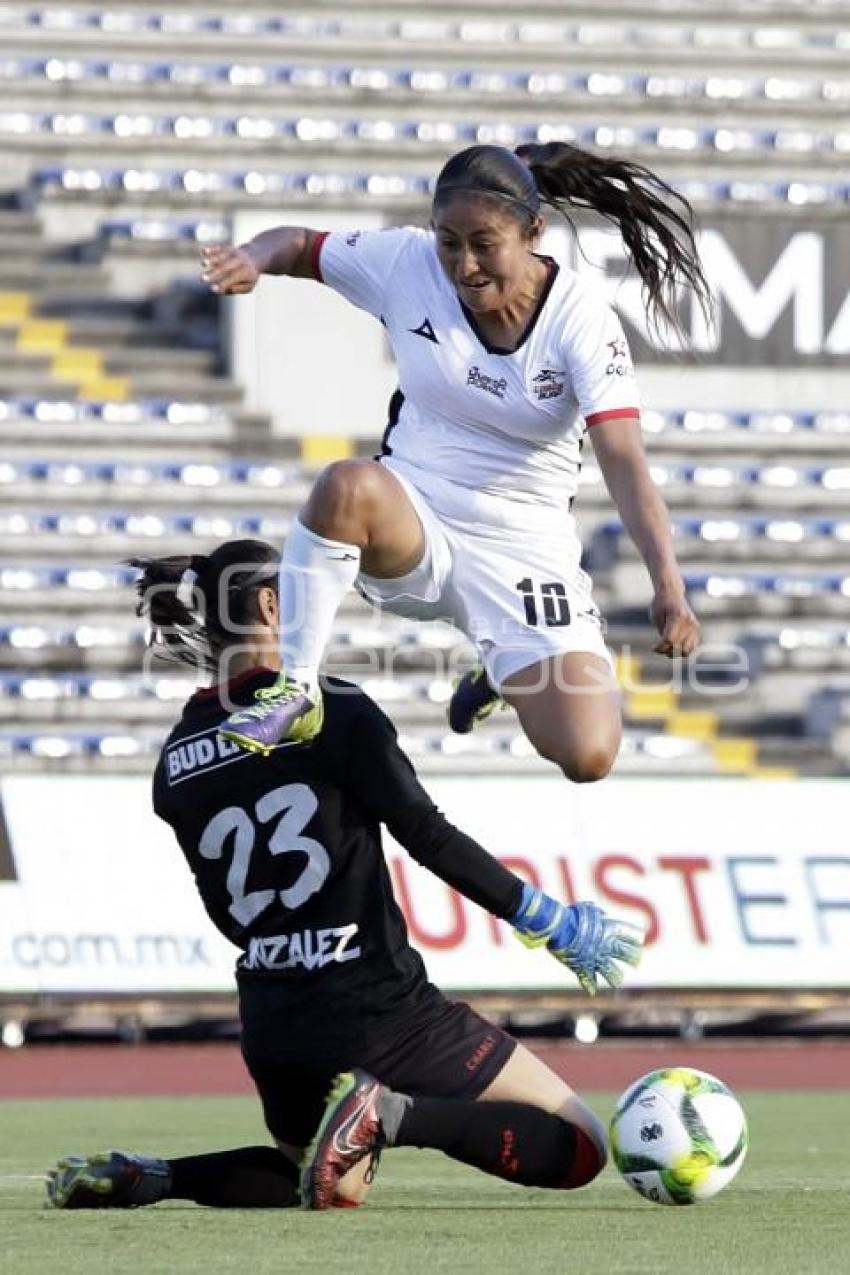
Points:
(246, 1178)
(512, 1140)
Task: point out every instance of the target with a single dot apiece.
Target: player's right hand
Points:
(588, 941)
(228, 271)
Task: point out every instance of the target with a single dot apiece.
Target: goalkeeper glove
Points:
(580, 935)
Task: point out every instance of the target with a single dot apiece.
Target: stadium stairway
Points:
(62, 331)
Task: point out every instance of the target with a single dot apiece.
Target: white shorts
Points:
(506, 574)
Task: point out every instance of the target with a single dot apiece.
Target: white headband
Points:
(186, 588)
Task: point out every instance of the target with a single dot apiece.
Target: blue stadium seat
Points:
(690, 422)
(67, 410)
(827, 710)
(694, 422)
(28, 636)
(165, 230)
(72, 525)
(193, 182)
(750, 584)
(59, 745)
(639, 750)
(606, 30)
(808, 647)
(751, 531)
(436, 80)
(200, 126)
(20, 578)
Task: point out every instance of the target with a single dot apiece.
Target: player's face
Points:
(485, 251)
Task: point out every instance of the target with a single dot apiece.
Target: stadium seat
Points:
(607, 30)
(734, 538)
(189, 184)
(827, 717)
(398, 82)
(506, 750)
(282, 133)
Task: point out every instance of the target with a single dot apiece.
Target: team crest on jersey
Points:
(492, 384)
(352, 238)
(547, 384)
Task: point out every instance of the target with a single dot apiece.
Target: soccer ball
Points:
(678, 1136)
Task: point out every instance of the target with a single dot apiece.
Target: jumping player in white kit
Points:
(505, 361)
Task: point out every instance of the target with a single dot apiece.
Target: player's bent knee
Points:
(346, 499)
(589, 766)
(583, 761)
(339, 489)
(586, 765)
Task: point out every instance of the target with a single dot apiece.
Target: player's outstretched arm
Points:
(581, 936)
(619, 451)
(233, 270)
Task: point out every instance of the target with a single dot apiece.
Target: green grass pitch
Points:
(787, 1213)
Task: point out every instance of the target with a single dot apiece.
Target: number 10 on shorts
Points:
(550, 599)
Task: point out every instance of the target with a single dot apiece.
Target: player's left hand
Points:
(582, 936)
(671, 614)
(230, 271)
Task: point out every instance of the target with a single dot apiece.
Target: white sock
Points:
(315, 575)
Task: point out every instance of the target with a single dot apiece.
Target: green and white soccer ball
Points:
(678, 1136)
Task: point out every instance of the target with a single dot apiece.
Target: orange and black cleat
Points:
(349, 1131)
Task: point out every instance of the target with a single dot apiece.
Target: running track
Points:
(69, 1071)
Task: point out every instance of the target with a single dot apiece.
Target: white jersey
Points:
(506, 424)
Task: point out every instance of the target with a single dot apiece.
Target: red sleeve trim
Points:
(315, 250)
(615, 414)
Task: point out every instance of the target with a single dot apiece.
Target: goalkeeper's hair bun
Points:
(198, 604)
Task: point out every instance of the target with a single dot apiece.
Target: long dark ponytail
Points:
(196, 604)
(655, 222)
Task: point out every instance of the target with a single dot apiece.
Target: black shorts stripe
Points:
(393, 413)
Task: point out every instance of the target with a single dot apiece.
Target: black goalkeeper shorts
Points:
(446, 1050)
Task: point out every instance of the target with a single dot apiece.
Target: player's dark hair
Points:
(654, 220)
(195, 604)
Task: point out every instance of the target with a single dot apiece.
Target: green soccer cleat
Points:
(110, 1180)
(283, 713)
(472, 701)
(349, 1131)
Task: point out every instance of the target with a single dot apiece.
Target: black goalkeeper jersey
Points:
(286, 850)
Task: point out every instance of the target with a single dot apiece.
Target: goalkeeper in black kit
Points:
(351, 1048)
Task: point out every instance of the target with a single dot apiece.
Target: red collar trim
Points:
(215, 692)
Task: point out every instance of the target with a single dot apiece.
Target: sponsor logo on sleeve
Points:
(492, 384)
(619, 363)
